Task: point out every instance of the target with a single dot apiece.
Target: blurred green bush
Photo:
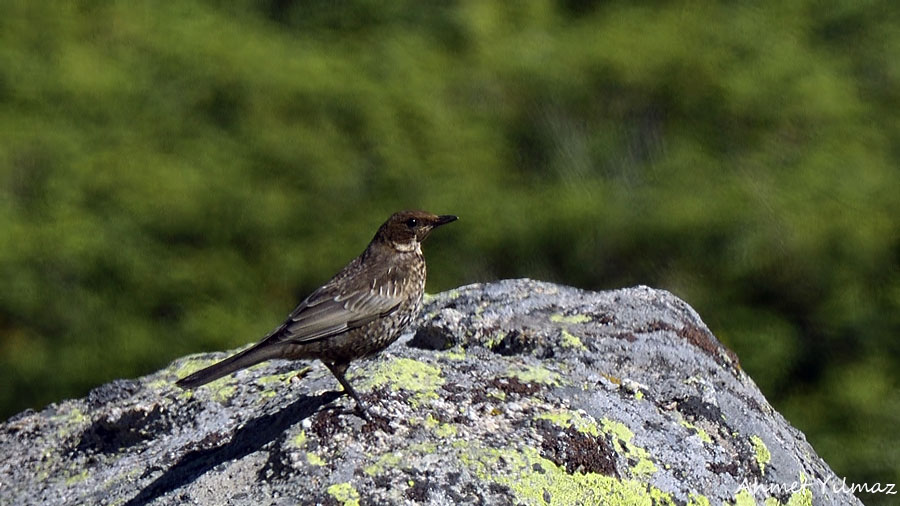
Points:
(175, 176)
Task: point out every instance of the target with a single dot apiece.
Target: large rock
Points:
(516, 392)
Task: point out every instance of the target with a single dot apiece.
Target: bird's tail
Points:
(251, 356)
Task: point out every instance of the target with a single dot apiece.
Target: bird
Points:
(357, 313)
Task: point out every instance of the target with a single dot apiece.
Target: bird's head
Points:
(405, 230)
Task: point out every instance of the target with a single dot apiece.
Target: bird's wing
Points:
(329, 311)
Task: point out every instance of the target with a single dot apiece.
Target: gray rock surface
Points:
(515, 392)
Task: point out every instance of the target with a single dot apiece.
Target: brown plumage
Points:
(359, 312)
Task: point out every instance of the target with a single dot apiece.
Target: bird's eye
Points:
(412, 222)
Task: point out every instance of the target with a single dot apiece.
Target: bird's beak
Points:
(444, 219)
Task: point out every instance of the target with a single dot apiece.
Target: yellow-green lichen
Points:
(455, 353)
(615, 380)
(622, 437)
(392, 459)
(761, 452)
(574, 419)
(697, 500)
(575, 318)
(744, 498)
(445, 430)
(386, 461)
(644, 466)
(69, 420)
(158, 384)
(191, 365)
(282, 378)
(406, 374)
(224, 393)
(299, 440)
(801, 498)
(46, 464)
(77, 478)
(270, 382)
(658, 497)
(450, 294)
(702, 434)
(572, 341)
(221, 392)
(196, 362)
(534, 374)
(314, 460)
(74, 416)
(533, 479)
(441, 430)
(639, 394)
(344, 493)
(492, 340)
(497, 394)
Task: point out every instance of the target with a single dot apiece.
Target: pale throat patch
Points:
(408, 246)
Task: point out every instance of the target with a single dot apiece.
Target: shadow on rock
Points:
(253, 436)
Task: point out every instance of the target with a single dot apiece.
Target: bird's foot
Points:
(363, 412)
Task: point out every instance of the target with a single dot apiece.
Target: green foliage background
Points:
(175, 176)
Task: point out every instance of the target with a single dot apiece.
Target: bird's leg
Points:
(338, 370)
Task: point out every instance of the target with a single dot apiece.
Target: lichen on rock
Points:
(514, 392)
